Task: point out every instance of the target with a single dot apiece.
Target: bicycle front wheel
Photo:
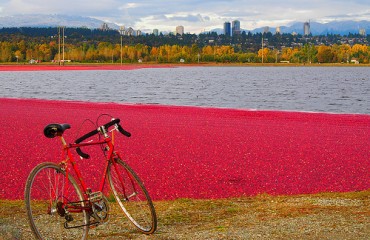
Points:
(46, 193)
(132, 196)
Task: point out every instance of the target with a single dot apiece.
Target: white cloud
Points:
(195, 15)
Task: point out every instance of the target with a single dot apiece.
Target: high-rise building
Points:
(180, 30)
(104, 27)
(306, 28)
(155, 32)
(122, 30)
(266, 29)
(277, 30)
(227, 28)
(130, 32)
(236, 27)
(362, 31)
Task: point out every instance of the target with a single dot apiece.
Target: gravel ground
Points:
(323, 216)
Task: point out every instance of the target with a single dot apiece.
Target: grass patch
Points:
(324, 215)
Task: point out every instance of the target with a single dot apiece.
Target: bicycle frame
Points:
(66, 151)
(53, 195)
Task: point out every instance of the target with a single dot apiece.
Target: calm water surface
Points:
(322, 89)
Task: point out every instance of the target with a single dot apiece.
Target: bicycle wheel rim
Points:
(44, 189)
(132, 197)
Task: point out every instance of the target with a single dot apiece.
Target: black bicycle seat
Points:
(55, 129)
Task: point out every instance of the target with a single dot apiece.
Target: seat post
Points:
(63, 141)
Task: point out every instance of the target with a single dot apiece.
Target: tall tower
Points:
(104, 27)
(362, 32)
(306, 28)
(278, 30)
(122, 30)
(227, 28)
(236, 27)
(180, 30)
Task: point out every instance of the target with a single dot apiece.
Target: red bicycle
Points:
(59, 207)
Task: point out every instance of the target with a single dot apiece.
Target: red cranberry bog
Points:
(74, 67)
(220, 156)
(201, 153)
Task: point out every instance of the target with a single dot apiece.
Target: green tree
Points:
(309, 52)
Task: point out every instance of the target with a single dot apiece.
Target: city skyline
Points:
(196, 16)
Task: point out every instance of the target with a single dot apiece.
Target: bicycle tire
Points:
(45, 180)
(133, 198)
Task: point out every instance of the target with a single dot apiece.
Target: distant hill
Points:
(39, 20)
(336, 27)
(54, 20)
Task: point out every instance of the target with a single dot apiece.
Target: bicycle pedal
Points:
(94, 223)
(69, 218)
(60, 209)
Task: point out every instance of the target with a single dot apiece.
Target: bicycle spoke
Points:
(44, 189)
(132, 197)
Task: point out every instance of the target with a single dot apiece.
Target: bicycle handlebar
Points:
(92, 133)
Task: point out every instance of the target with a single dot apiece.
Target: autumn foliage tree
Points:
(325, 54)
(107, 52)
(361, 52)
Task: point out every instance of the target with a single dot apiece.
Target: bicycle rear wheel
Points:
(44, 194)
(132, 196)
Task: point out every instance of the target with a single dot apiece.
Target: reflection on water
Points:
(326, 89)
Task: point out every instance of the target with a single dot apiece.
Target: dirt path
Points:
(323, 216)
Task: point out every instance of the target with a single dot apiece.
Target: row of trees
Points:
(246, 41)
(107, 52)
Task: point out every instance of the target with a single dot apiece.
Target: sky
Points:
(196, 15)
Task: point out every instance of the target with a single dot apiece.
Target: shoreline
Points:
(78, 67)
(159, 105)
(134, 66)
